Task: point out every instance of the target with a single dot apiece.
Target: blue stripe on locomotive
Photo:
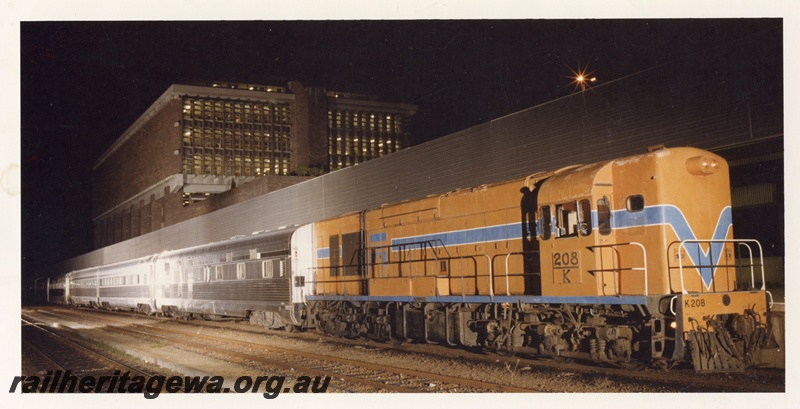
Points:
(620, 219)
(672, 216)
(470, 236)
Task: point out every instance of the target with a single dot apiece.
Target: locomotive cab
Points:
(661, 228)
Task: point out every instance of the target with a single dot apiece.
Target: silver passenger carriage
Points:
(248, 276)
(127, 285)
(83, 288)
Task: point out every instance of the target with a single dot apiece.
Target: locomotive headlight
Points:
(673, 325)
(702, 165)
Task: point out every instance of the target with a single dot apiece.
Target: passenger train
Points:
(628, 262)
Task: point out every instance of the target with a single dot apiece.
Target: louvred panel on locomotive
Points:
(339, 263)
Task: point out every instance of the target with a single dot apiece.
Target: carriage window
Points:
(218, 273)
(207, 273)
(635, 203)
(241, 271)
(546, 222)
(267, 269)
(604, 216)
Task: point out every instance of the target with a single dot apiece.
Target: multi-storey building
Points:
(197, 141)
(359, 131)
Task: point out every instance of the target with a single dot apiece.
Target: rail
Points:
(740, 243)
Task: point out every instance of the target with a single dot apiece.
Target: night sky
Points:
(84, 83)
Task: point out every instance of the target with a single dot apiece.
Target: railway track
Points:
(379, 377)
(63, 361)
(752, 380)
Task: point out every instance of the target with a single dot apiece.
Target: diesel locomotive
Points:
(628, 262)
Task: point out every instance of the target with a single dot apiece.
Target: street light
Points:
(581, 78)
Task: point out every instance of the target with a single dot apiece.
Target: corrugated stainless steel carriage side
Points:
(83, 288)
(126, 285)
(235, 278)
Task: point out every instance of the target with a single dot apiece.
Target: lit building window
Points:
(238, 137)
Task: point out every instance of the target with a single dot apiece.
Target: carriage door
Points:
(606, 256)
(304, 263)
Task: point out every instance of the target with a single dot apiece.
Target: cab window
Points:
(567, 219)
(604, 216)
(573, 218)
(546, 224)
(585, 217)
(635, 203)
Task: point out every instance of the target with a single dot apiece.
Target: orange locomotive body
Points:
(630, 261)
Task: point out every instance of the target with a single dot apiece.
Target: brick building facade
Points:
(200, 148)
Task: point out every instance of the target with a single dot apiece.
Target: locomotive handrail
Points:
(345, 280)
(507, 257)
(738, 242)
(491, 276)
(614, 248)
(420, 245)
(752, 273)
